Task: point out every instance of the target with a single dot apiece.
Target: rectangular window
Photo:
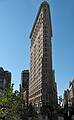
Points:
(45, 49)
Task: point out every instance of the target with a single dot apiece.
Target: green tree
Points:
(12, 105)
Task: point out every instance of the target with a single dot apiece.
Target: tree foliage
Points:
(12, 106)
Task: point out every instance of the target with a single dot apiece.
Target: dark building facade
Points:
(25, 85)
(42, 87)
(5, 78)
(69, 96)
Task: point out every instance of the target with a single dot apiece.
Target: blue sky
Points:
(16, 21)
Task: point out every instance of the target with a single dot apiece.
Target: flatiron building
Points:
(42, 81)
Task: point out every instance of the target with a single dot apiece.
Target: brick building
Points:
(5, 78)
(25, 85)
